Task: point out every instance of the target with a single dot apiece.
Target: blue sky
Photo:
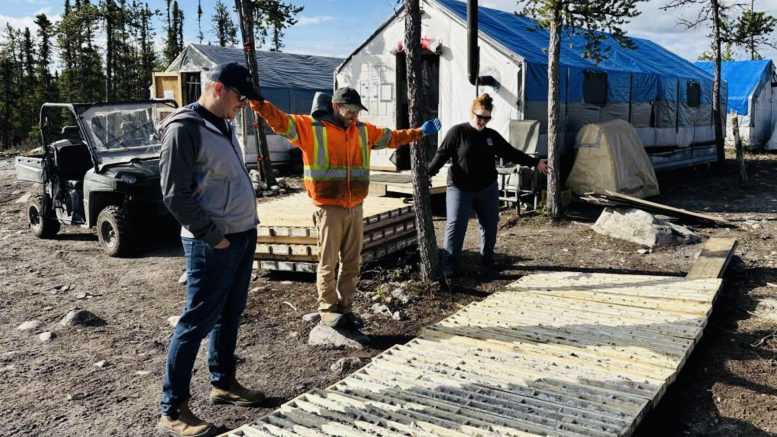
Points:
(337, 27)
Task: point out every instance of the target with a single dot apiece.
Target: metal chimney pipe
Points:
(473, 51)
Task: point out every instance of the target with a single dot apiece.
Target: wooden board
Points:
(714, 258)
(562, 353)
(636, 202)
(383, 183)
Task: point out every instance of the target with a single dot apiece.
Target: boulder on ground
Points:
(346, 365)
(325, 336)
(642, 228)
(81, 318)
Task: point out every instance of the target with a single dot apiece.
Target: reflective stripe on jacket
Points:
(336, 160)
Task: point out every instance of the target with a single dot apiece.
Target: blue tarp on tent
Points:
(634, 75)
(743, 78)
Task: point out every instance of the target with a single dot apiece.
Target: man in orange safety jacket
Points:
(336, 156)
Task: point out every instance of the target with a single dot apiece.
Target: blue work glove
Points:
(430, 127)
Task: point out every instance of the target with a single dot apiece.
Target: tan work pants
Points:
(340, 233)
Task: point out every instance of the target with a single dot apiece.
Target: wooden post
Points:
(738, 147)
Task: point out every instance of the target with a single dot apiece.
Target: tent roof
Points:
(276, 69)
(743, 78)
(525, 38)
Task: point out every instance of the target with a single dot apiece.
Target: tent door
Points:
(430, 84)
(192, 87)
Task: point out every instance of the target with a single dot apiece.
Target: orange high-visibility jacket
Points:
(336, 161)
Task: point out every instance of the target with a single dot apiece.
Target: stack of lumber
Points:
(563, 353)
(287, 238)
(611, 198)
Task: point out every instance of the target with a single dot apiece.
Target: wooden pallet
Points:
(372, 254)
(287, 239)
(309, 252)
(290, 219)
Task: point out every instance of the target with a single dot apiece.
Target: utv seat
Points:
(72, 159)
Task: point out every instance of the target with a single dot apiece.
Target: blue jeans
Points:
(459, 204)
(216, 294)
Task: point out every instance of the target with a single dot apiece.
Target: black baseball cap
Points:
(348, 96)
(236, 76)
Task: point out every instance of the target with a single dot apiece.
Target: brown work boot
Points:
(185, 424)
(236, 394)
(331, 319)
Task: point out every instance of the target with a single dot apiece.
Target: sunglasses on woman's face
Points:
(485, 118)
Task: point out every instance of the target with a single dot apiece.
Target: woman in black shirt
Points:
(473, 148)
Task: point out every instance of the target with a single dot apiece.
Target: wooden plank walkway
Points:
(562, 353)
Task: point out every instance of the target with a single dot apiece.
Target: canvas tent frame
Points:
(649, 88)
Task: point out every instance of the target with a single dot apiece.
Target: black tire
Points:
(41, 225)
(115, 231)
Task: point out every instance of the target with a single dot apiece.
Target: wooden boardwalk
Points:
(560, 353)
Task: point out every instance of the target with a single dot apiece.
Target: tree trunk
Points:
(738, 148)
(716, 113)
(555, 207)
(427, 242)
(108, 51)
(245, 12)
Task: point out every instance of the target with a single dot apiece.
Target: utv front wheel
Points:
(41, 225)
(115, 231)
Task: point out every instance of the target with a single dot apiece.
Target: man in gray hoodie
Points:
(207, 188)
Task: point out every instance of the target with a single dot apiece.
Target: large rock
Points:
(346, 365)
(81, 318)
(642, 228)
(29, 325)
(325, 336)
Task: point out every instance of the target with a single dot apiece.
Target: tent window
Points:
(694, 94)
(595, 88)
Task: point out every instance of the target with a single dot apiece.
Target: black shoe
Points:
(352, 321)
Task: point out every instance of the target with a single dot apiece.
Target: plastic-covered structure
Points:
(610, 156)
(752, 94)
(288, 80)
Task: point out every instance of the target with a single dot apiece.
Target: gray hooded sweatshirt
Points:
(204, 180)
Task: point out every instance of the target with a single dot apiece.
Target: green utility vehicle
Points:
(99, 167)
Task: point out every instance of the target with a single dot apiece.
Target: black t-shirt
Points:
(474, 154)
(217, 121)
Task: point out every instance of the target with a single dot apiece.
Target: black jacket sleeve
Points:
(504, 150)
(445, 151)
(180, 145)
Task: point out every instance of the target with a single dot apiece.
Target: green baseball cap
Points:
(348, 96)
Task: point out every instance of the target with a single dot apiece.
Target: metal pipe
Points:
(473, 51)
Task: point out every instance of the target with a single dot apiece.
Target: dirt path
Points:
(727, 388)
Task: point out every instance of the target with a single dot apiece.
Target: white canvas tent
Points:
(610, 156)
(752, 93)
(666, 98)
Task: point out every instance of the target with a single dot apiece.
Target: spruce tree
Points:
(224, 28)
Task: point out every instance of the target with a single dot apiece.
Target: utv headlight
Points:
(128, 178)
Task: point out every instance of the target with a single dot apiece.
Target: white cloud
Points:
(306, 21)
(26, 21)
